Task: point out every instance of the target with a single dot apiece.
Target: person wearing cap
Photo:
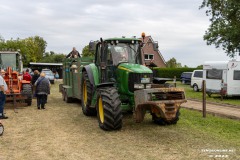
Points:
(3, 89)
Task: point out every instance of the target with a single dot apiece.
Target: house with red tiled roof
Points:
(152, 56)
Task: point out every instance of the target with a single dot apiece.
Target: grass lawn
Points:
(214, 97)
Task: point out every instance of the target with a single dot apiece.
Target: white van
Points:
(227, 71)
(196, 80)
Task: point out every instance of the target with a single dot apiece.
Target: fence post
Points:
(204, 98)
(174, 81)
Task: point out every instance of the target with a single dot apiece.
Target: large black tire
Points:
(109, 110)
(27, 91)
(160, 121)
(87, 95)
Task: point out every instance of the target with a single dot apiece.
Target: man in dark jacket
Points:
(42, 90)
(35, 76)
(73, 54)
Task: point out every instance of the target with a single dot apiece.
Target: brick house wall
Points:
(150, 56)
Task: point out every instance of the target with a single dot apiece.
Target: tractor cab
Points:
(123, 53)
(11, 59)
(114, 51)
(117, 55)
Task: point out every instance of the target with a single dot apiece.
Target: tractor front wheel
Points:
(27, 91)
(109, 110)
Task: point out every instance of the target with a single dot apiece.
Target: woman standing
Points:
(42, 90)
(35, 76)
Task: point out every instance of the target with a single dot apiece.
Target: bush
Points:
(171, 72)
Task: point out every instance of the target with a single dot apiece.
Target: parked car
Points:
(49, 75)
(186, 77)
(196, 80)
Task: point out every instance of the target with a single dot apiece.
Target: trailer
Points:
(222, 77)
(72, 77)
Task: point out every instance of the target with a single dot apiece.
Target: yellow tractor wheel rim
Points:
(84, 92)
(100, 110)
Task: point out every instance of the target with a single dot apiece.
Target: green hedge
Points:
(171, 72)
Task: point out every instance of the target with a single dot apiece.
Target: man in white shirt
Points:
(3, 89)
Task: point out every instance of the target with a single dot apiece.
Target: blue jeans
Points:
(2, 102)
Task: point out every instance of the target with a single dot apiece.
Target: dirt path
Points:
(63, 132)
(214, 108)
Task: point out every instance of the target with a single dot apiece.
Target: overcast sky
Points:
(177, 25)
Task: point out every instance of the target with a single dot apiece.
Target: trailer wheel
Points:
(87, 95)
(66, 98)
(27, 91)
(209, 94)
(160, 121)
(109, 110)
(63, 94)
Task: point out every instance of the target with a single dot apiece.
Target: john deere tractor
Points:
(118, 81)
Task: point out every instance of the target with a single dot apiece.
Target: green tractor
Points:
(118, 82)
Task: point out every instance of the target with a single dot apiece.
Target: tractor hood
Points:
(136, 68)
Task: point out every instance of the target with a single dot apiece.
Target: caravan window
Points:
(236, 75)
(214, 74)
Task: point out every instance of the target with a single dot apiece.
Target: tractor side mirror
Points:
(155, 46)
(92, 46)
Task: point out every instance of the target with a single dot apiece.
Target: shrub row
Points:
(171, 72)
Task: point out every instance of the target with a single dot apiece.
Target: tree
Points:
(86, 52)
(32, 48)
(52, 57)
(224, 30)
(172, 63)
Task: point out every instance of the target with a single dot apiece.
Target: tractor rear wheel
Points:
(27, 91)
(87, 95)
(109, 110)
(160, 121)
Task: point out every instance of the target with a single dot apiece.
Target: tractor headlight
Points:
(148, 86)
(139, 86)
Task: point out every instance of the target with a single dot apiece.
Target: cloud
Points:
(178, 26)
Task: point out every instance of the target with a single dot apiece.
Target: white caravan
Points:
(227, 71)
